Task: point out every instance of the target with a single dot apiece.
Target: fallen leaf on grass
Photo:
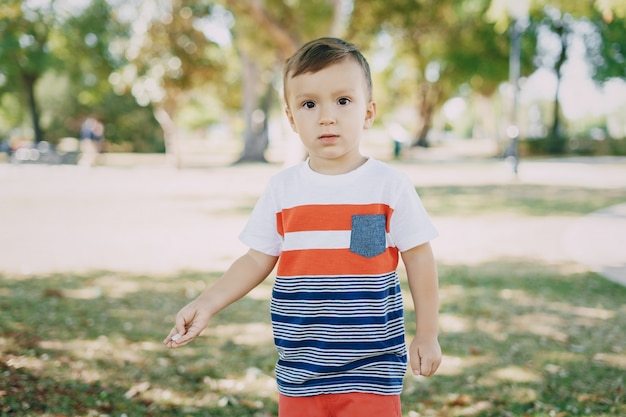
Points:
(137, 389)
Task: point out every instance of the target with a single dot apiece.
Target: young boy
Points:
(335, 224)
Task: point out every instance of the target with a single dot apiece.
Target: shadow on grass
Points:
(518, 339)
(524, 339)
(92, 345)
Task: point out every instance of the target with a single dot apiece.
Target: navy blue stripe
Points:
(355, 380)
(352, 346)
(345, 368)
(336, 295)
(338, 321)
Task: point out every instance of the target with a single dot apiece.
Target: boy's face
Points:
(329, 109)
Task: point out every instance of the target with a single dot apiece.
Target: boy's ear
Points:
(370, 115)
(290, 118)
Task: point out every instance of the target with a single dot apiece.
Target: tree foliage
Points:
(606, 45)
(602, 29)
(25, 50)
(137, 62)
(64, 74)
(451, 44)
(168, 58)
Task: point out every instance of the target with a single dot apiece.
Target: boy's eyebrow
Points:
(343, 91)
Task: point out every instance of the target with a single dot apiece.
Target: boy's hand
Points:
(425, 356)
(248, 271)
(190, 321)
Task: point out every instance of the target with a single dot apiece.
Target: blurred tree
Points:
(450, 42)
(602, 26)
(562, 27)
(88, 44)
(60, 54)
(25, 51)
(169, 56)
(606, 44)
(558, 22)
(85, 43)
(284, 25)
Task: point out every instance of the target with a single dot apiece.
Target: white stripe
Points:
(312, 312)
(340, 389)
(369, 332)
(321, 239)
(348, 283)
(354, 339)
(322, 308)
(339, 239)
(336, 278)
(300, 375)
(292, 376)
(339, 357)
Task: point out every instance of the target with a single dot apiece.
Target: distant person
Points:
(5, 146)
(91, 139)
(337, 225)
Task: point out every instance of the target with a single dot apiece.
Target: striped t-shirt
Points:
(336, 305)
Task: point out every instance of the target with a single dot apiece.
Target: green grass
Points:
(519, 338)
(520, 199)
(527, 340)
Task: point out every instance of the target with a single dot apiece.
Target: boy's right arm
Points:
(244, 274)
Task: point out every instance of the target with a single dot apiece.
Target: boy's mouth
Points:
(328, 137)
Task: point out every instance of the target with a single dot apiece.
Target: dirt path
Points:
(157, 220)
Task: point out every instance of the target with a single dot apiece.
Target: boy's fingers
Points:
(178, 338)
(427, 367)
(415, 366)
(175, 337)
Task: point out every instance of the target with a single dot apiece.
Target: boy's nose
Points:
(327, 117)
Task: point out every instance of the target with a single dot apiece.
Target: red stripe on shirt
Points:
(326, 217)
(335, 262)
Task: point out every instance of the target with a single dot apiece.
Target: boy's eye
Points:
(308, 104)
(343, 101)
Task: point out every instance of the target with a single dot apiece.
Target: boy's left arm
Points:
(421, 269)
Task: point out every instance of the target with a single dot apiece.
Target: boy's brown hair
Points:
(321, 53)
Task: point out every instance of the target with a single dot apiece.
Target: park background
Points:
(183, 77)
(95, 262)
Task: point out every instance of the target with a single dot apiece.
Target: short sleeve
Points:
(260, 232)
(410, 224)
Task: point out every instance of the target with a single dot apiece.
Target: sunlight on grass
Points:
(511, 374)
(517, 338)
(611, 359)
(250, 334)
(544, 325)
(457, 365)
(522, 339)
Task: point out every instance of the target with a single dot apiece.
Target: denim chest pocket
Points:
(368, 236)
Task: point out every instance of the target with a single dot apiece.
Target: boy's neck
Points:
(336, 167)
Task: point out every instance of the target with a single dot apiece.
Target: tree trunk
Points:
(339, 21)
(426, 113)
(427, 99)
(170, 135)
(556, 140)
(255, 111)
(29, 82)
(557, 68)
(556, 130)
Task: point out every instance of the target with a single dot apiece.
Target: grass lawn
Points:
(520, 338)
